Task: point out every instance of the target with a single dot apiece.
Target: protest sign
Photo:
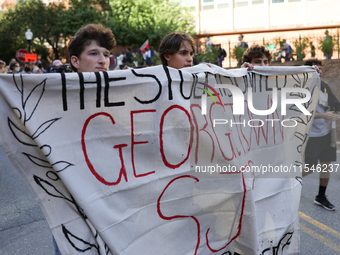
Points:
(128, 162)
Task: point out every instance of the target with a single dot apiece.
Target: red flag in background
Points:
(145, 45)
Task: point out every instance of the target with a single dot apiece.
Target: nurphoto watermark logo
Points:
(238, 103)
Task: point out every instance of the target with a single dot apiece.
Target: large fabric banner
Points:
(155, 161)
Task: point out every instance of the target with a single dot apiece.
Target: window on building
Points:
(222, 6)
(241, 3)
(254, 2)
(207, 7)
(277, 1)
(245, 3)
(291, 1)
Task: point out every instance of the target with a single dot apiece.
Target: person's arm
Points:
(327, 116)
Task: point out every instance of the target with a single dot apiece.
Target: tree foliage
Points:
(132, 22)
(237, 53)
(210, 55)
(301, 45)
(41, 19)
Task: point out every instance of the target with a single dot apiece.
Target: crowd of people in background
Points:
(125, 60)
(16, 67)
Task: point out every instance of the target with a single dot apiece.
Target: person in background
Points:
(37, 70)
(27, 69)
(22, 66)
(40, 66)
(13, 68)
(208, 43)
(149, 54)
(177, 50)
(3, 68)
(222, 55)
(55, 65)
(120, 60)
(128, 57)
(139, 60)
(288, 50)
(321, 149)
(112, 62)
(242, 44)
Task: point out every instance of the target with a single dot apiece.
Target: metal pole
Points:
(29, 46)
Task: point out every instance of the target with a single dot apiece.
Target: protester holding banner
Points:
(256, 56)
(321, 146)
(90, 52)
(176, 50)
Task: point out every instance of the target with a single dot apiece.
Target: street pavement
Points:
(24, 230)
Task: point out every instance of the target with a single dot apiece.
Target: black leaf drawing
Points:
(35, 104)
(42, 128)
(78, 243)
(300, 120)
(38, 161)
(58, 166)
(50, 189)
(20, 134)
(16, 85)
(61, 165)
(300, 136)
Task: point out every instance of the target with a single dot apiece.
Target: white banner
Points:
(126, 162)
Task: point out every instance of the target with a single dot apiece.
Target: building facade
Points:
(263, 21)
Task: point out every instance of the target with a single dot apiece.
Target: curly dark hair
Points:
(312, 62)
(256, 51)
(172, 42)
(86, 35)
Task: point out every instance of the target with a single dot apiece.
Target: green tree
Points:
(134, 21)
(81, 13)
(301, 45)
(238, 54)
(210, 55)
(51, 24)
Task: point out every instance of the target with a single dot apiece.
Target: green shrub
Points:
(301, 45)
(238, 54)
